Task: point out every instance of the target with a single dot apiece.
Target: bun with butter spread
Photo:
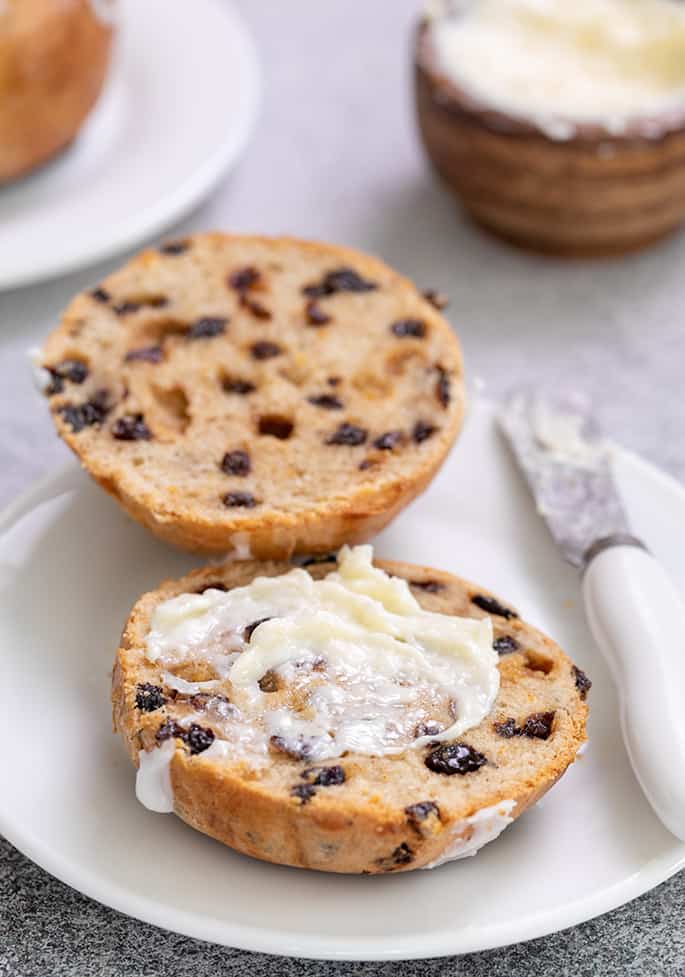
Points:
(360, 718)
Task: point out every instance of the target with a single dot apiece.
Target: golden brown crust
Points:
(362, 825)
(595, 193)
(53, 61)
(311, 495)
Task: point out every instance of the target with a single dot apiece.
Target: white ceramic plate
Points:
(71, 564)
(177, 111)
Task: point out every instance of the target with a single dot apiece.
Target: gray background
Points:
(335, 156)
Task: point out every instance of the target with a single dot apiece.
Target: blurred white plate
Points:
(176, 112)
(71, 564)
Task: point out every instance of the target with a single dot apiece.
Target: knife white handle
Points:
(638, 621)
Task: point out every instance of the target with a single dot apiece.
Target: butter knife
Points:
(634, 611)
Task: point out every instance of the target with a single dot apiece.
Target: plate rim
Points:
(281, 943)
(200, 182)
(277, 942)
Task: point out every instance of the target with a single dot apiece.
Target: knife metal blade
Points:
(566, 462)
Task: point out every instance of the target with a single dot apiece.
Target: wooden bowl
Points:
(594, 193)
(53, 59)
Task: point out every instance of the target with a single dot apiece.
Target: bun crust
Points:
(53, 61)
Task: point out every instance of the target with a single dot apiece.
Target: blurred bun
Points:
(53, 59)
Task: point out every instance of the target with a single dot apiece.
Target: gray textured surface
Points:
(335, 157)
(55, 932)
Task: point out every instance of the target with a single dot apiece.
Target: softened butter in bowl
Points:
(560, 126)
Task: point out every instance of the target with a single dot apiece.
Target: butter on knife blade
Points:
(559, 448)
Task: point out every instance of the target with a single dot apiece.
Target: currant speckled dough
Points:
(287, 395)
(354, 813)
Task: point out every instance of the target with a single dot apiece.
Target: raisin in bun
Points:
(53, 60)
(232, 391)
(352, 813)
